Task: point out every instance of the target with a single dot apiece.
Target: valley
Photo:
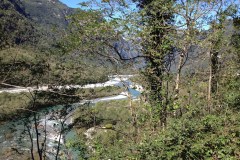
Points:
(124, 80)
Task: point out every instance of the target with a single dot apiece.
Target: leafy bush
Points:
(211, 137)
(232, 95)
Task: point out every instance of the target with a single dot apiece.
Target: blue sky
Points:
(75, 4)
(71, 3)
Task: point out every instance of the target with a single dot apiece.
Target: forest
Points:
(120, 79)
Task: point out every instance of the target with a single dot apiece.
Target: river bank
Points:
(115, 80)
(51, 118)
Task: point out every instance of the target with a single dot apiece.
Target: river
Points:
(16, 134)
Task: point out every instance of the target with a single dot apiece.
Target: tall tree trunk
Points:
(178, 79)
(44, 146)
(179, 70)
(209, 88)
(59, 140)
(37, 136)
(156, 82)
(157, 46)
(212, 82)
(214, 66)
(31, 140)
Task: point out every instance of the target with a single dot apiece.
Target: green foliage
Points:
(103, 139)
(232, 84)
(10, 103)
(96, 40)
(103, 113)
(26, 66)
(22, 67)
(192, 136)
(77, 144)
(210, 137)
(112, 136)
(157, 18)
(48, 13)
(89, 33)
(85, 55)
(232, 93)
(77, 72)
(15, 27)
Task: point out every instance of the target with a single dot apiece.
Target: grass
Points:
(10, 103)
(107, 112)
(113, 127)
(103, 114)
(13, 104)
(99, 92)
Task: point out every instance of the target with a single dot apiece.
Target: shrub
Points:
(212, 137)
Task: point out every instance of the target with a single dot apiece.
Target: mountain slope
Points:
(31, 20)
(15, 25)
(48, 12)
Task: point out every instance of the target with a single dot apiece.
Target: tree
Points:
(193, 35)
(192, 18)
(229, 74)
(221, 36)
(157, 18)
